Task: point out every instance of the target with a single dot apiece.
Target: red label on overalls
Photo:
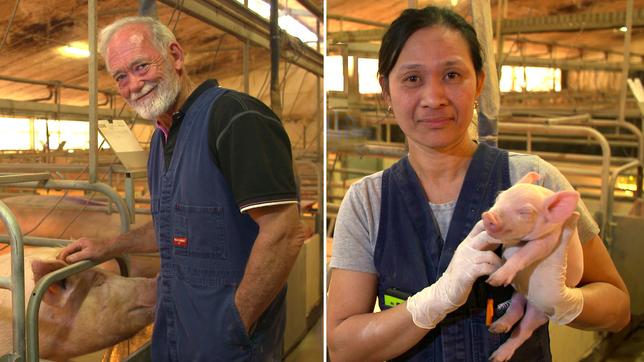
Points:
(181, 242)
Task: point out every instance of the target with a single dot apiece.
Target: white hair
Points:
(162, 37)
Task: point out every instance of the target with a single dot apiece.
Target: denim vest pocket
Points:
(211, 328)
(198, 232)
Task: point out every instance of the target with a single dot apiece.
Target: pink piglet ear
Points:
(560, 206)
(529, 178)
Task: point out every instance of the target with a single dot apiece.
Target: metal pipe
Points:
(246, 67)
(574, 158)
(499, 36)
(626, 63)
(129, 195)
(613, 180)
(321, 145)
(93, 89)
(368, 149)
(569, 119)
(17, 284)
(276, 101)
(42, 176)
(578, 141)
(53, 83)
(490, 99)
(351, 19)
(580, 131)
(36, 241)
(36, 297)
(313, 9)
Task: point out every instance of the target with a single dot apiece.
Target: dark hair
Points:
(412, 20)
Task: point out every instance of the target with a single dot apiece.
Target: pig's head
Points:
(527, 212)
(90, 310)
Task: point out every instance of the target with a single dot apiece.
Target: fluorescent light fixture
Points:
(623, 29)
(77, 49)
(454, 2)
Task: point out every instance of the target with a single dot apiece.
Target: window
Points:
(532, 79)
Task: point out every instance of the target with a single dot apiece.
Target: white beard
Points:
(166, 92)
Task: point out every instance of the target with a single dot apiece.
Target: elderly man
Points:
(224, 204)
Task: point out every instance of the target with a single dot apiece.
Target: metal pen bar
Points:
(36, 297)
(10, 178)
(5, 283)
(36, 241)
(575, 130)
(17, 284)
(611, 187)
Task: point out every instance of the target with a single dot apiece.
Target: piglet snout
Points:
(492, 222)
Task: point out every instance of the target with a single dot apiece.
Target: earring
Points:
(476, 104)
(389, 109)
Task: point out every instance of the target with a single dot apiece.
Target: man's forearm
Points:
(139, 240)
(271, 259)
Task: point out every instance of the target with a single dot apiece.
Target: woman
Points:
(406, 235)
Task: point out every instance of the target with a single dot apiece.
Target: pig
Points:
(84, 312)
(542, 254)
(52, 217)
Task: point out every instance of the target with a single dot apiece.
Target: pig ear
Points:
(57, 293)
(529, 178)
(560, 206)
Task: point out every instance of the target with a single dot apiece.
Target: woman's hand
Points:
(472, 259)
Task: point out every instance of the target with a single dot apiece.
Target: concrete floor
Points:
(310, 348)
(631, 350)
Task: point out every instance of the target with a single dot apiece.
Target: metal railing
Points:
(577, 131)
(29, 350)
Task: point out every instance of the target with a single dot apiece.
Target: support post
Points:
(276, 101)
(93, 89)
(627, 60)
(490, 99)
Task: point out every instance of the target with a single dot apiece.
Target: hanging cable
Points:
(6, 32)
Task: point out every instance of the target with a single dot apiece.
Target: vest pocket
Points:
(198, 232)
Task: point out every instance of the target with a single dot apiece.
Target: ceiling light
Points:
(623, 29)
(77, 49)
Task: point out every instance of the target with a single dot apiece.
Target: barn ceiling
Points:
(41, 27)
(586, 36)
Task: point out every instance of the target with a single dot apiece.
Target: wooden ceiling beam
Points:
(244, 24)
(540, 24)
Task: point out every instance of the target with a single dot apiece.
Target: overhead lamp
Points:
(623, 29)
(76, 49)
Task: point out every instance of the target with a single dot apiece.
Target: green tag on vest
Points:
(392, 301)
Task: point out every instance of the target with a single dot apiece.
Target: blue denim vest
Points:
(410, 255)
(204, 242)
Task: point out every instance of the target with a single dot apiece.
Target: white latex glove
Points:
(472, 259)
(568, 307)
(551, 287)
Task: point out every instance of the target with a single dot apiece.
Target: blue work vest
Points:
(410, 255)
(204, 243)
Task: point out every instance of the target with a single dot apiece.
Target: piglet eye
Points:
(526, 211)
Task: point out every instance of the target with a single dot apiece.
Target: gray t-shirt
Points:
(356, 227)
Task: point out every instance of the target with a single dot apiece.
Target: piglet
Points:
(543, 258)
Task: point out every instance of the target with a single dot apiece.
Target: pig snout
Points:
(492, 222)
